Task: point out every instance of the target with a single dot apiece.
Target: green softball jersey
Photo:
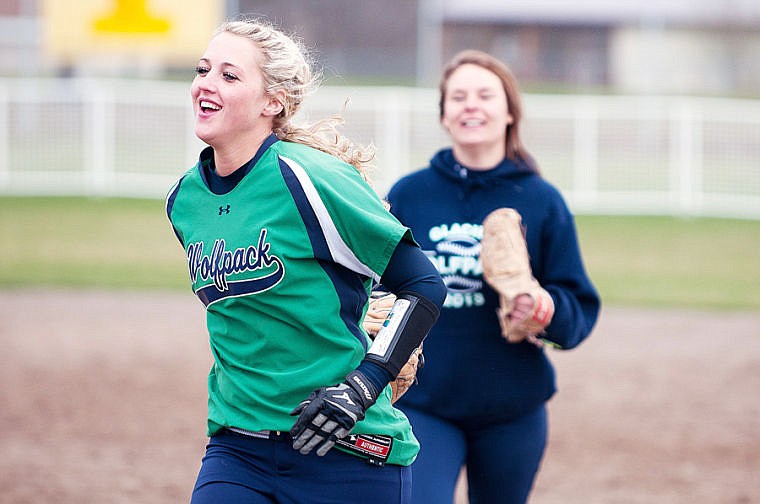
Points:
(284, 264)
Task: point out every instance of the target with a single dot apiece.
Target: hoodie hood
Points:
(447, 165)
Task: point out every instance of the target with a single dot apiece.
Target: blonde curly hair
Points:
(286, 66)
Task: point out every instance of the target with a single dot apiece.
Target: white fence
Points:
(607, 154)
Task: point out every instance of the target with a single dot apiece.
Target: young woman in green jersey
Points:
(284, 240)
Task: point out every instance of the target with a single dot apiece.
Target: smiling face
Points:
(232, 109)
(475, 111)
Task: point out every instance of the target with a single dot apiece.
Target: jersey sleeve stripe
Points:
(170, 197)
(339, 250)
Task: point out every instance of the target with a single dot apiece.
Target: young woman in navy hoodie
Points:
(481, 400)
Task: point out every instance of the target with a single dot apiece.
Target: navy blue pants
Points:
(247, 470)
(502, 460)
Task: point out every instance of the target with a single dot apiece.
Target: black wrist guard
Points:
(404, 330)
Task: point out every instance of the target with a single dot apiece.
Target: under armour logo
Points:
(224, 209)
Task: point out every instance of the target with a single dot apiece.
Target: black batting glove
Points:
(329, 413)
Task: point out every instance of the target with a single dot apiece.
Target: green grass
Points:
(87, 242)
(671, 261)
(124, 243)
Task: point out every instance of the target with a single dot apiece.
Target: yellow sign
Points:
(131, 16)
(168, 31)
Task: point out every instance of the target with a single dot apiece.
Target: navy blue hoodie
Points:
(471, 372)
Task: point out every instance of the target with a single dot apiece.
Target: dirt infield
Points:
(103, 400)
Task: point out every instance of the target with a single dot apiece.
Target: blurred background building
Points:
(632, 106)
(707, 47)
